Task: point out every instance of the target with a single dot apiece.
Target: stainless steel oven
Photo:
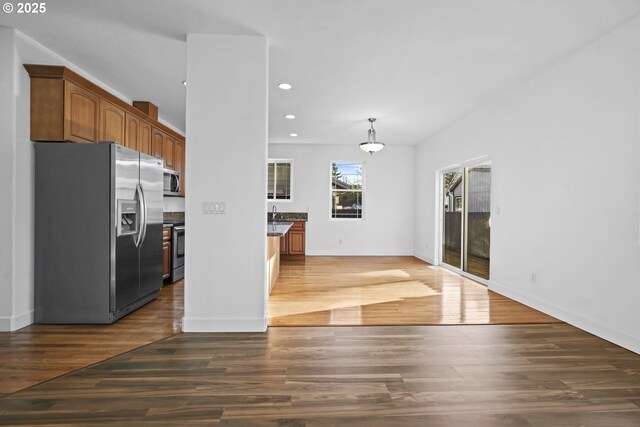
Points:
(171, 182)
(177, 257)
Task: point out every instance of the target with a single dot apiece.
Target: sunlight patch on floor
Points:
(314, 301)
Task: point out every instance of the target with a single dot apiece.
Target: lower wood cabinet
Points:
(294, 242)
(166, 252)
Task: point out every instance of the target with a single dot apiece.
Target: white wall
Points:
(226, 161)
(387, 224)
(17, 163)
(7, 175)
(566, 179)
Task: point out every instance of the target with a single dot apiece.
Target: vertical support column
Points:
(225, 269)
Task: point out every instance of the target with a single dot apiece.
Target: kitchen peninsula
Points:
(286, 235)
(275, 231)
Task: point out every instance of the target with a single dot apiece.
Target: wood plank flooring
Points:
(326, 291)
(38, 353)
(490, 375)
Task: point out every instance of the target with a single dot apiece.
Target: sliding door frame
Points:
(439, 231)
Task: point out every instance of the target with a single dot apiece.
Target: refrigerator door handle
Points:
(142, 233)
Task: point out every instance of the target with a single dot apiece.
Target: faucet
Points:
(274, 212)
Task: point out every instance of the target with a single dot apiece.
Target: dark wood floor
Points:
(39, 353)
(491, 375)
(390, 290)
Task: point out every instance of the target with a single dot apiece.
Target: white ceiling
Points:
(416, 65)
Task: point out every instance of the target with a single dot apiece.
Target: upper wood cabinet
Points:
(168, 149)
(157, 141)
(112, 123)
(144, 138)
(132, 132)
(67, 107)
(80, 114)
(179, 163)
(63, 111)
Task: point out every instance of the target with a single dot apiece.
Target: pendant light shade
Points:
(371, 145)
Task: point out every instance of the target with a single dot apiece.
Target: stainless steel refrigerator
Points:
(98, 231)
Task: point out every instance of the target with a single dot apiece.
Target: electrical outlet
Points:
(340, 241)
(534, 277)
(213, 208)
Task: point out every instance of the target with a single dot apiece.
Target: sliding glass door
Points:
(452, 217)
(466, 231)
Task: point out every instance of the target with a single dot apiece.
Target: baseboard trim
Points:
(376, 253)
(13, 323)
(230, 324)
(619, 338)
(424, 257)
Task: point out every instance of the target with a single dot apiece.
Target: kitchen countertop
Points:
(278, 229)
(289, 216)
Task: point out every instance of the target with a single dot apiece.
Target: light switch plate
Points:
(213, 208)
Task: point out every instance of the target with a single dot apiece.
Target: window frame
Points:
(362, 190)
(290, 199)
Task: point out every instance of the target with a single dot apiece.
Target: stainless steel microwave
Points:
(171, 182)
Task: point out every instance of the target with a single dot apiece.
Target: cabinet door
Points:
(284, 244)
(166, 260)
(80, 114)
(168, 151)
(178, 163)
(144, 139)
(132, 139)
(112, 123)
(157, 139)
(296, 242)
(296, 238)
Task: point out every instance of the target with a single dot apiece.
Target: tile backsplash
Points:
(173, 216)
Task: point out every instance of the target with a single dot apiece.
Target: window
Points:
(346, 189)
(279, 179)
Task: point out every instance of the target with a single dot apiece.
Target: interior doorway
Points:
(466, 218)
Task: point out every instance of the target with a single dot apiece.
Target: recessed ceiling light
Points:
(289, 116)
(285, 86)
(293, 134)
(184, 83)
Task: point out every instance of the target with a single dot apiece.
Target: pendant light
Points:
(371, 145)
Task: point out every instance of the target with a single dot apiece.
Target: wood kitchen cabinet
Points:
(112, 123)
(297, 239)
(294, 242)
(144, 138)
(284, 244)
(157, 140)
(63, 111)
(168, 148)
(66, 107)
(80, 114)
(179, 162)
(132, 132)
(166, 252)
